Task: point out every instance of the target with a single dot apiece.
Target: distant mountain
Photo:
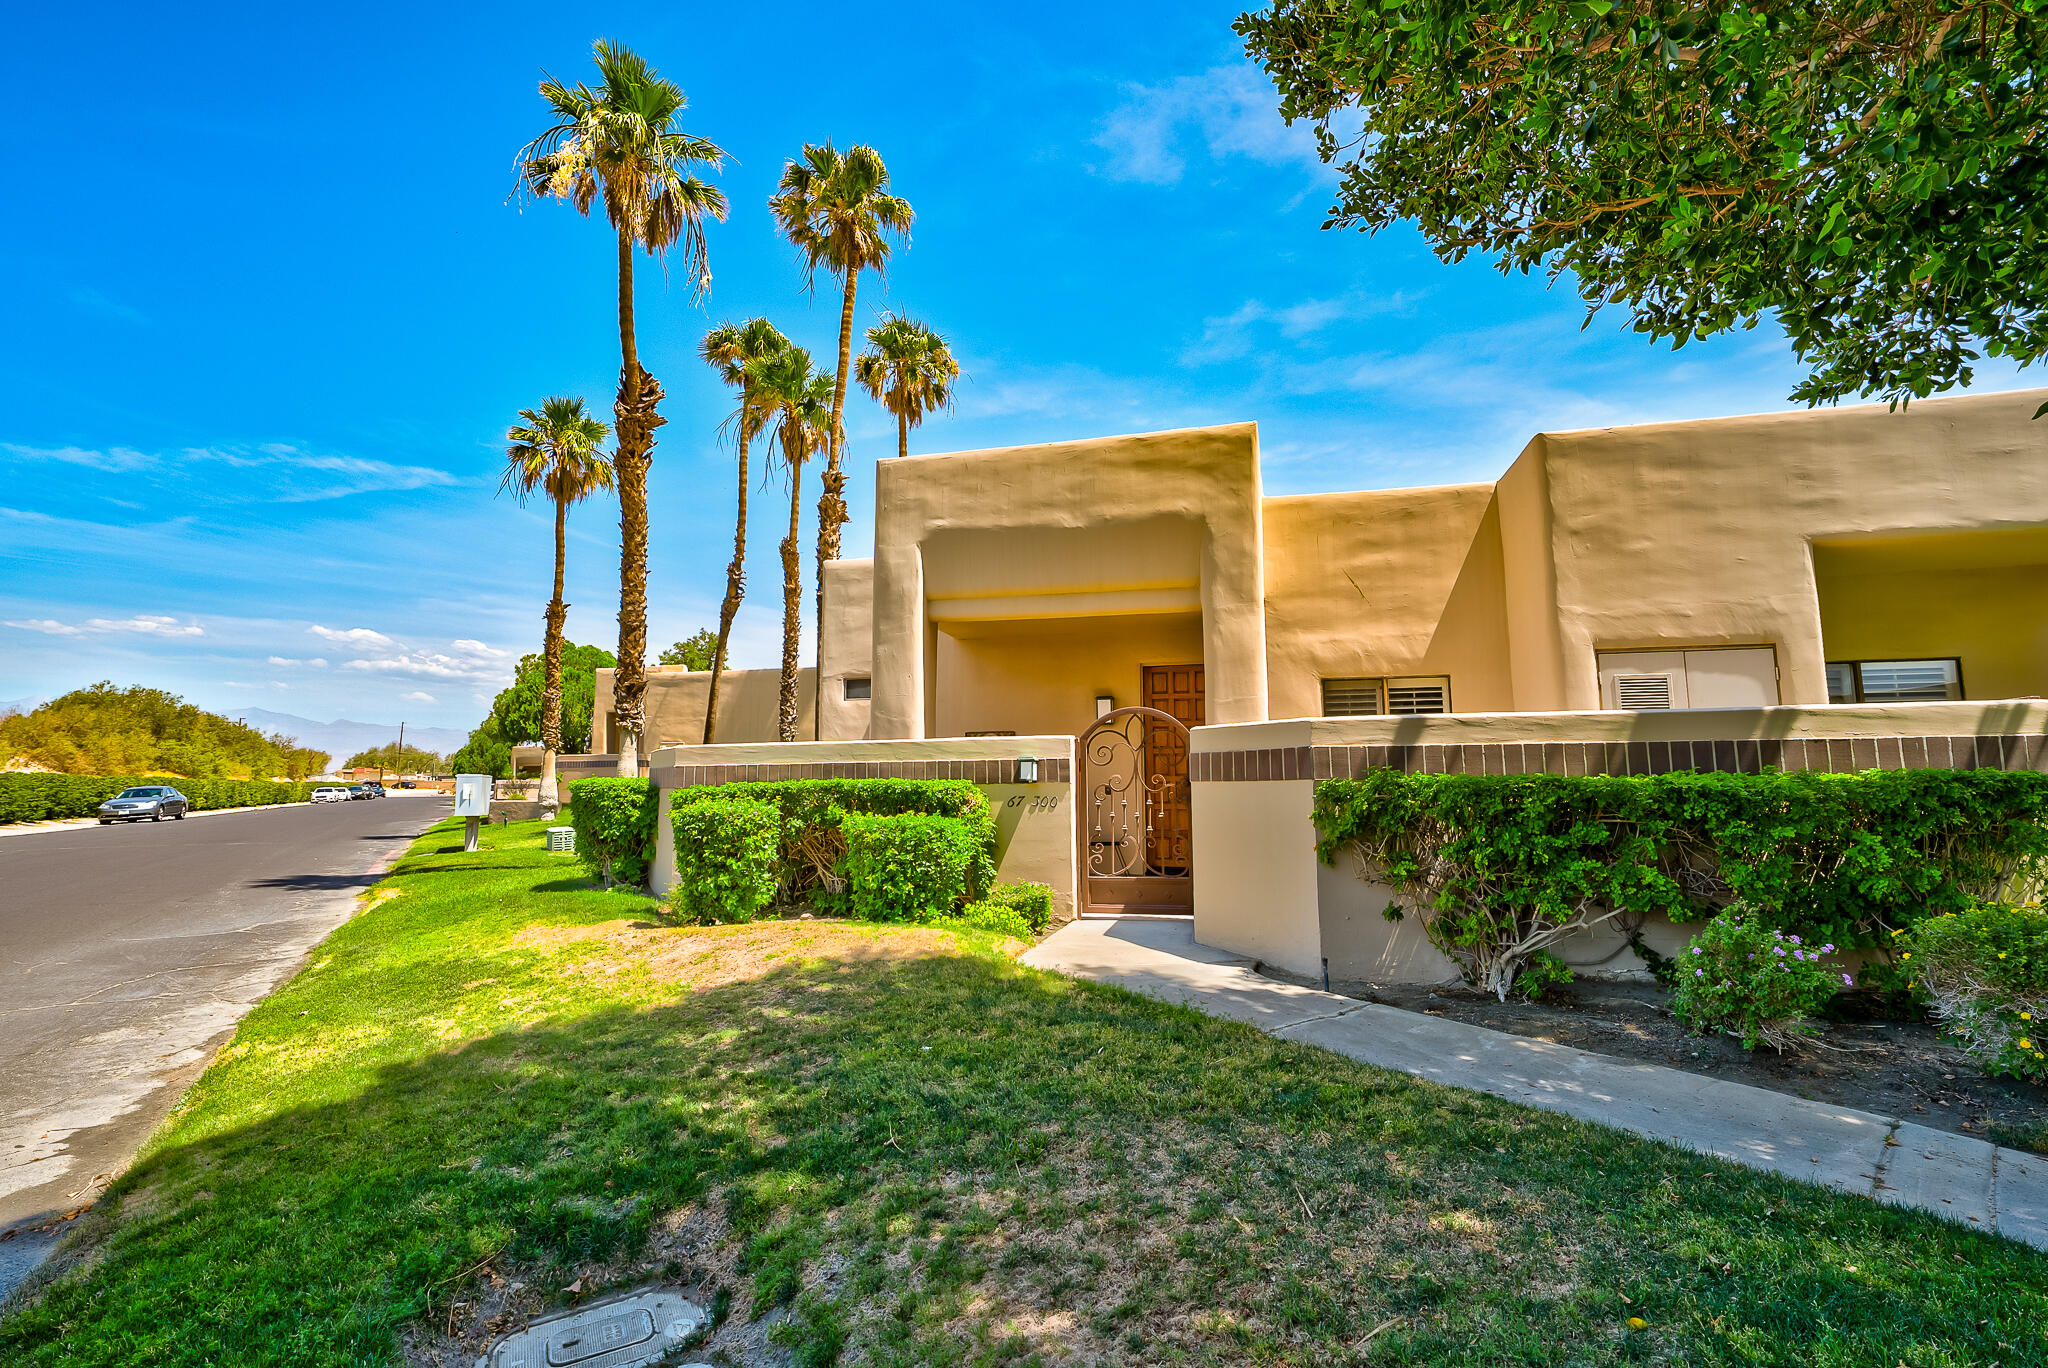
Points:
(343, 738)
(20, 705)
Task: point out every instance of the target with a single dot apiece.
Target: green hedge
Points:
(726, 857)
(906, 866)
(1501, 867)
(813, 844)
(614, 821)
(1986, 972)
(45, 797)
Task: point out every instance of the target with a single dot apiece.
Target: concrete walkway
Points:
(1891, 1160)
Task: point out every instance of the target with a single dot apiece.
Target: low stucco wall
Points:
(1260, 891)
(1034, 822)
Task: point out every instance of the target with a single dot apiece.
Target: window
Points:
(1395, 697)
(1351, 698)
(1894, 681)
(859, 688)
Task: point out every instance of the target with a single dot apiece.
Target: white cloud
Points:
(314, 662)
(1230, 108)
(352, 636)
(416, 696)
(273, 473)
(1227, 337)
(112, 459)
(470, 661)
(94, 302)
(146, 624)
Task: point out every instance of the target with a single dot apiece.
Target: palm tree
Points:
(619, 141)
(729, 349)
(555, 450)
(909, 370)
(799, 402)
(838, 212)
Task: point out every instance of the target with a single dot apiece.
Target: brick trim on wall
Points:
(1839, 755)
(1050, 771)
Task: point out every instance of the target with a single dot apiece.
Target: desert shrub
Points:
(813, 848)
(1986, 971)
(1748, 978)
(1502, 867)
(906, 867)
(994, 916)
(1541, 975)
(1031, 901)
(725, 858)
(614, 821)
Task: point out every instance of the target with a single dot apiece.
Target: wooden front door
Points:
(1134, 817)
(1175, 690)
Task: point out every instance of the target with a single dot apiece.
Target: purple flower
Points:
(1828, 949)
(1699, 973)
(1795, 940)
(1848, 982)
(1778, 950)
(1696, 950)
(1752, 954)
(1799, 954)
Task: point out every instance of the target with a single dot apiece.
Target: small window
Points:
(859, 688)
(1894, 681)
(1351, 698)
(1411, 697)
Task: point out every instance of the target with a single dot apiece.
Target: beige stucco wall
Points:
(845, 649)
(1386, 583)
(750, 704)
(1698, 533)
(1034, 822)
(1044, 676)
(1154, 523)
(1979, 596)
(1255, 872)
(1786, 722)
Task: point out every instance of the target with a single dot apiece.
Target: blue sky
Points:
(269, 313)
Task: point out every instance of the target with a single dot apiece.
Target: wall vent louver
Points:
(1351, 697)
(1638, 693)
(1409, 700)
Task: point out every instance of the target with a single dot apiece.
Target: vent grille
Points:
(1409, 700)
(1351, 697)
(1639, 693)
(1909, 681)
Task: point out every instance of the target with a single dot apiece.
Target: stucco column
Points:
(1234, 627)
(901, 654)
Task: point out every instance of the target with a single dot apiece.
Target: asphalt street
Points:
(127, 955)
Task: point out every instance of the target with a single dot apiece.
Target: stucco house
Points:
(1147, 662)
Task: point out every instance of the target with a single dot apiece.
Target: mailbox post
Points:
(472, 801)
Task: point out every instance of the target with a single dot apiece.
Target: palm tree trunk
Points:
(832, 513)
(735, 585)
(551, 657)
(792, 603)
(639, 394)
(903, 433)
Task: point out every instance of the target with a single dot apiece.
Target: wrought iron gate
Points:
(1135, 826)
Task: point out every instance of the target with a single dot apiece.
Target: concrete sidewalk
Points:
(1885, 1158)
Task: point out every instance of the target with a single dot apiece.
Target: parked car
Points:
(154, 802)
(356, 791)
(376, 790)
(408, 783)
(330, 794)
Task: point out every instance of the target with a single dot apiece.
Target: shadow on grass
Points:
(866, 1111)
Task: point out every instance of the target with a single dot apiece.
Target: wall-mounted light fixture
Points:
(1027, 770)
(1104, 705)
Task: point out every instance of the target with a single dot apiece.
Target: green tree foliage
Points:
(1873, 173)
(517, 709)
(104, 730)
(398, 760)
(694, 652)
(486, 752)
(614, 822)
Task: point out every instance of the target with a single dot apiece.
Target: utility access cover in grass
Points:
(621, 1332)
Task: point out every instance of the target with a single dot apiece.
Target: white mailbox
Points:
(472, 795)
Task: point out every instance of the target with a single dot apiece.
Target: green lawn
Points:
(498, 1083)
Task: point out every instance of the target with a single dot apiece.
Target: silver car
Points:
(152, 803)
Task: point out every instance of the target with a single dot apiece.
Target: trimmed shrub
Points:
(1030, 901)
(1752, 980)
(994, 916)
(906, 867)
(614, 821)
(33, 797)
(1987, 972)
(1502, 867)
(725, 858)
(813, 849)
